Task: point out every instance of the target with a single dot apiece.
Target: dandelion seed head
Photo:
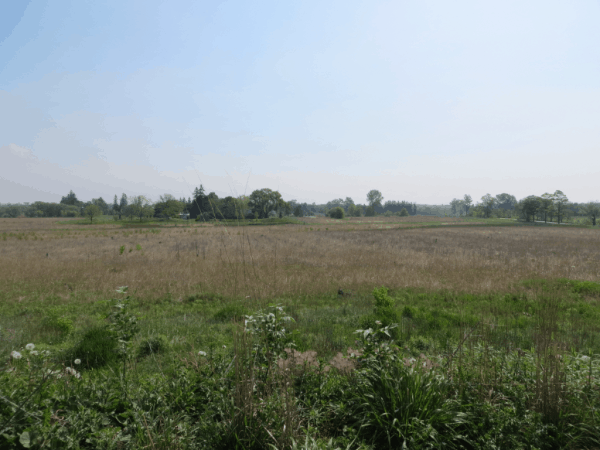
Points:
(77, 361)
(29, 347)
(15, 355)
(201, 353)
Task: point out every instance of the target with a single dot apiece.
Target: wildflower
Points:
(15, 355)
(201, 353)
(29, 347)
(33, 352)
(77, 361)
(378, 322)
(585, 358)
(224, 346)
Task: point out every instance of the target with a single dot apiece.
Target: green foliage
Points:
(97, 348)
(370, 211)
(151, 346)
(337, 213)
(121, 249)
(59, 321)
(231, 312)
(122, 323)
(404, 213)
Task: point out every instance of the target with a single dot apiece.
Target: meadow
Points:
(476, 333)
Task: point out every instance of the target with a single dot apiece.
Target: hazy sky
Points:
(423, 100)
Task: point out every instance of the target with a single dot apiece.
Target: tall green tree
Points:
(529, 206)
(505, 201)
(70, 199)
(374, 198)
(487, 203)
(141, 207)
(561, 202)
(592, 210)
(263, 201)
(467, 202)
(92, 211)
(115, 206)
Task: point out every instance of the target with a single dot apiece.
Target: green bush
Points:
(337, 213)
(60, 322)
(404, 213)
(151, 346)
(231, 312)
(97, 348)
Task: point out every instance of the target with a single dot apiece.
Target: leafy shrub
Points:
(151, 346)
(54, 319)
(337, 213)
(409, 312)
(230, 312)
(97, 348)
(404, 213)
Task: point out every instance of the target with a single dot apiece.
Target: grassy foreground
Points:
(486, 338)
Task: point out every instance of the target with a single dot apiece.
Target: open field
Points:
(503, 320)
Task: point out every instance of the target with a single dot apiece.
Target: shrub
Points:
(96, 348)
(404, 213)
(150, 346)
(231, 312)
(337, 213)
(54, 319)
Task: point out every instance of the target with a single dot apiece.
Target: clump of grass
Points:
(97, 348)
(231, 312)
(151, 346)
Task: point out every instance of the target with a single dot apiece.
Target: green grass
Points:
(481, 386)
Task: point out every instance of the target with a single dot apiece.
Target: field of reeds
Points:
(474, 333)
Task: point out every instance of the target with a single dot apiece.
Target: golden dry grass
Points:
(290, 260)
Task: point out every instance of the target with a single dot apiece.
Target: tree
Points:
(355, 210)
(592, 210)
(529, 206)
(505, 201)
(168, 208)
(115, 206)
(101, 204)
(347, 203)
(70, 199)
(546, 207)
(370, 211)
(298, 211)
(560, 202)
(374, 198)
(92, 211)
(404, 213)
(456, 206)
(123, 205)
(141, 207)
(487, 202)
(337, 213)
(467, 202)
(263, 201)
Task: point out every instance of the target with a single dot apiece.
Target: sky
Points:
(423, 100)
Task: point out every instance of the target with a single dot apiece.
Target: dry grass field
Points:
(55, 260)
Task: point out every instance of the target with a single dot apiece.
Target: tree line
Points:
(264, 203)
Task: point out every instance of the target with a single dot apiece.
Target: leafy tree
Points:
(337, 213)
(333, 203)
(467, 202)
(116, 207)
(374, 198)
(168, 208)
(546, 207)
(123, 205)
(347, 203)
(355, 210)
(370, 211)
(263, 201)
(70, 199)
(298, 211)
(101, 204)
(592, 210)
(404, 213)
(141, 207)
(487, 202)
(457, 206)
(505, 201)
(229, 208)
(560, 201)
(529, 206)
(92, 211)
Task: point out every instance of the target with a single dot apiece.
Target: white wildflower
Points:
(77, 361)
(15, 355)
(201, 353)
(585, 358)
(378, 322)
(33, 352)
(29, 347)
(224, 346)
